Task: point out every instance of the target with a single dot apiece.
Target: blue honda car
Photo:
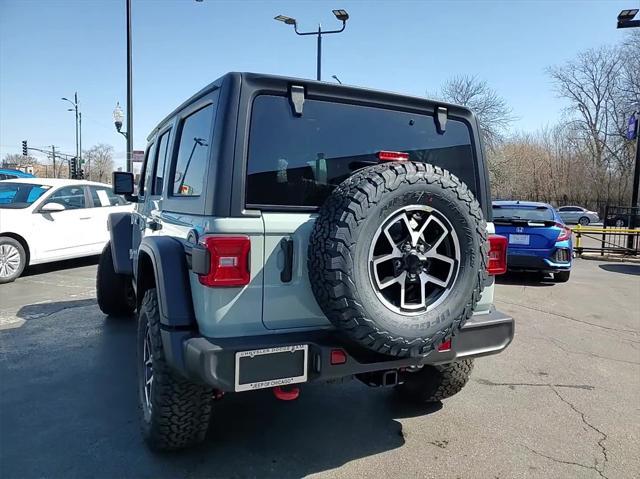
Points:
(538, 239)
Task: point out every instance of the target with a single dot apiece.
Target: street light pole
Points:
(319, 59)
(76, 109)
(129, 93)
(341, 15)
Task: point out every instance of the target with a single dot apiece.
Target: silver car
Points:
(578, 215)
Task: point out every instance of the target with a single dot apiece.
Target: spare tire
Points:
(397, 257)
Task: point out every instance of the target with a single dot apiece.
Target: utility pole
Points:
(80, 140)
(129, 93)
(53, 156)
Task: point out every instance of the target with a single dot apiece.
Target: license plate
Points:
(270, 367)
(519, 239)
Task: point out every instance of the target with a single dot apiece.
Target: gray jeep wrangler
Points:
(289, 231)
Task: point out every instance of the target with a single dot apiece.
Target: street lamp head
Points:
(341, 15)
(285, 19)
(118, 116)
(65, 99)
(626, 15)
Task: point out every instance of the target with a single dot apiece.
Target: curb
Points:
(613, 259)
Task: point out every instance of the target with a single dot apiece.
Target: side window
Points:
(148, 163)
(193, 153)
(71, 197)
(163, 147)
(104, 196)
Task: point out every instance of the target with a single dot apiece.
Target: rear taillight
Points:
(228, 261)
(497, 255)
(392, 156)
(565, 233)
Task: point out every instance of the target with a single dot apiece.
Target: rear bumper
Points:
(212, 361)
(536, 260)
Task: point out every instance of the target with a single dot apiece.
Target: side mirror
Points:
(52, 207)
(123, 184)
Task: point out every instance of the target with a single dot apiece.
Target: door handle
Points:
(286, 245)
(153, 225)
(86, 218)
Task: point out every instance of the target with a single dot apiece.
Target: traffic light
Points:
(24, 148)
(81, 174)
(73, 165)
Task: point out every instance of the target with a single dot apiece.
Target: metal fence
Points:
(603, 240)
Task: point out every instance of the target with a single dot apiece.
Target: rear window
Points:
(298, 161)
(541, 213)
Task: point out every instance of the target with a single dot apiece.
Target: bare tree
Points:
(600, 86)
(15, 160)
(99, 162)
(494, 115)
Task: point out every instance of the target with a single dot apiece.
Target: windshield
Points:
(20, 195)
(526, 213)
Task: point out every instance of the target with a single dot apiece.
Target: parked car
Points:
(538, 239)
(623, 217)
(289, 231)
(577, 215)
(9, 174)
(43, 220)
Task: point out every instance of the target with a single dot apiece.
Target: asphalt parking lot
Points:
(562, 401)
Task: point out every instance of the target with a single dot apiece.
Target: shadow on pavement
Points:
(86, 424)
(632, 269)
(35, 311)
(525, 279)
(61, 265)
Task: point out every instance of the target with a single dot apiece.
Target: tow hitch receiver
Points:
(288, 394)
(379, 378)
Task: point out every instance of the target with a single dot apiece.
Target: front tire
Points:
(435, 383)
(561, 276)
(175, 413)
(584, 221)
(13, 259)
(114, 291)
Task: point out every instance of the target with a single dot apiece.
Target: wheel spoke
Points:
(381, 259)
(427, 278)
(398, 279)
(441, 257)
(403, 300)
(420, 232)
(393, 244)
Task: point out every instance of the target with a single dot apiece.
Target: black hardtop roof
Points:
(338, 88)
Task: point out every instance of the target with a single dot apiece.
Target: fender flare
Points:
(171, 274)
(120, 235)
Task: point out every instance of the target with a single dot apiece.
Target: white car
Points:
(44, 219)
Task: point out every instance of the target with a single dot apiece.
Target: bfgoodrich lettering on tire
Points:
(397, 257)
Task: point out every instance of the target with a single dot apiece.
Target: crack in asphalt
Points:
(561, 461)
(559, 344)
(632, 331)
(600, 442)
(603, 437)
(487, 382)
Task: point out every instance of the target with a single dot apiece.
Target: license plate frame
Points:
(519, 239)
(262, 354)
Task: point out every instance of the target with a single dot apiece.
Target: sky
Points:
(51, 48)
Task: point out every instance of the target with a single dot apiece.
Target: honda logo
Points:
(519, 229)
